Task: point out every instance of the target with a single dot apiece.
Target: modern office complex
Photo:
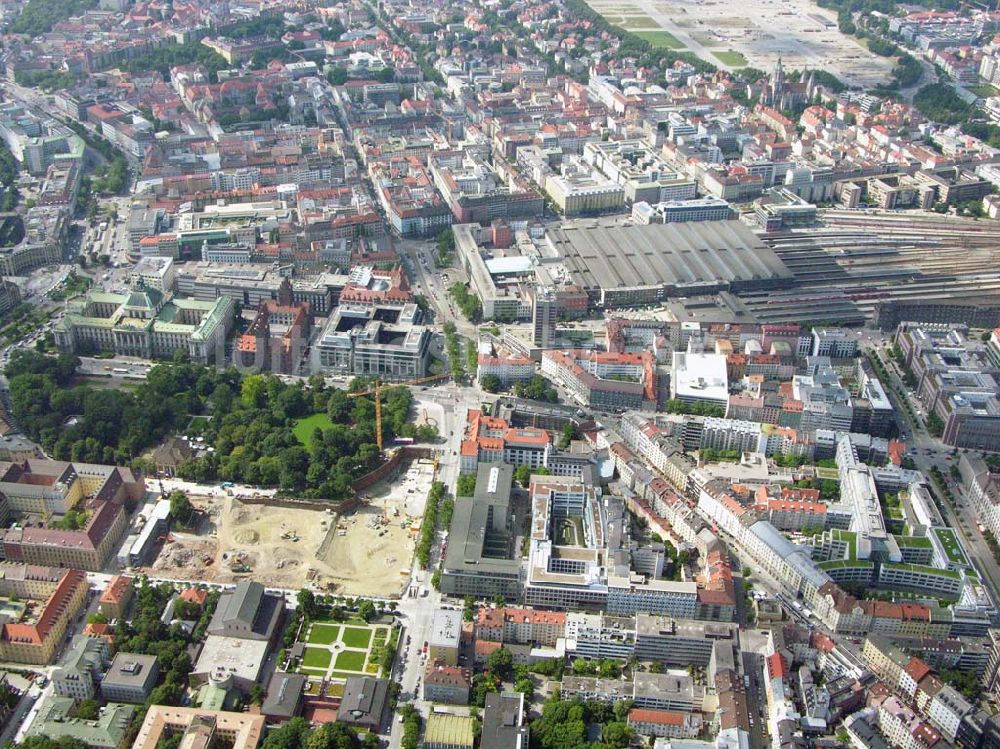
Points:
(481, 560)
(388, 342)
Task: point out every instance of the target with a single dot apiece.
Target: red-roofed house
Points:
(116, 597)
(650, 722)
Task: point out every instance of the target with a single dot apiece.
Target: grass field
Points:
(984, 90)
(355, 637)
(350, 660)
(662, 39)
(637, 22)
(304, 428)
(323, 634)
(731, 58)
(319, 658)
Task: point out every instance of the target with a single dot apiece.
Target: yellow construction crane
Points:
(376, 390)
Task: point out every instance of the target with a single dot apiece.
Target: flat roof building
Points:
(449, 732)
(503, 722)
(384, 341)
(130, 678)
(699, 378)
(445, 637)
(481, 560)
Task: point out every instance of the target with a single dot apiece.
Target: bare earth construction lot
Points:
(798, 31)
(366, 551)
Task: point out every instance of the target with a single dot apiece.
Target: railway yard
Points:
(844, 268)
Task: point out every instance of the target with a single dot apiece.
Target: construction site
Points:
(367, 550)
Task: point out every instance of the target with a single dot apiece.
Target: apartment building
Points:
(116, 597)
(33, 635)
(507, 369)
(509, 624)
(87, 549)
(605, 381)
(494, 440)
(664, 723)
(447, 684)
(903, 728)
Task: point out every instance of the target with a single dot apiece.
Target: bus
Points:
(120, 370)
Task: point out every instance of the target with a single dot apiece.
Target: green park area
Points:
(304, 428)
(351, 660)
(663, 39)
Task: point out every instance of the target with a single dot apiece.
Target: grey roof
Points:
(284, 693)
(493, 482)
(245, 602)
(364, 700)
(483, 519)
(130, 670)
(602, 253)
(247, 613)
(502, 722)
(84, 657)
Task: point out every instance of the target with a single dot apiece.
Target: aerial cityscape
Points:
(544, 374)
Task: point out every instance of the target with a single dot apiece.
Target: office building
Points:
(481, 561)
(362, 340)
(544, 311)
(130, 678)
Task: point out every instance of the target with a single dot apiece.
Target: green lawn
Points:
(662, 39)
(323, 634)
(355, 637)
(304, 428)
(350, 660)
(637, 22)
(984, 90)
(731, 58)
(951, 545)
(317, 658)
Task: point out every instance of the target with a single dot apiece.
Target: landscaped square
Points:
(323, 634)
(350, 660)
(356, 637)
(319, 658)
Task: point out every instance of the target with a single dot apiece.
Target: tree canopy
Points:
(251, 424)
(39, 16)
